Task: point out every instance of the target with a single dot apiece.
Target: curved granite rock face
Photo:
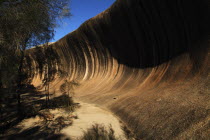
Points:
(147, 61)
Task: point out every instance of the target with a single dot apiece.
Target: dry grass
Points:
(128, 133)
(99, 132)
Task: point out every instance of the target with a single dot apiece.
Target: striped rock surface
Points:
(147, 61)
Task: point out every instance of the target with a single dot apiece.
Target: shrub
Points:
(99, 132)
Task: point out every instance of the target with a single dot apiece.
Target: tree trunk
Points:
(20, 79)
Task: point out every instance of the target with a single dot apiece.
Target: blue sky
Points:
(81, 11)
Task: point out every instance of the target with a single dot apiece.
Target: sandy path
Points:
(89, 114)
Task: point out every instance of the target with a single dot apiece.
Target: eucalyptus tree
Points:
(23, 24)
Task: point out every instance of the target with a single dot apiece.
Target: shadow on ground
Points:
(9, 115)
(33, 104)
(34, 134)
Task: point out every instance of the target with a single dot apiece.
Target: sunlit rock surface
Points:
(147, 61)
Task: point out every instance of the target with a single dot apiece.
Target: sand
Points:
(89, 114)
(79, 121)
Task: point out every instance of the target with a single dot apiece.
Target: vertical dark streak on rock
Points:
(153, 55)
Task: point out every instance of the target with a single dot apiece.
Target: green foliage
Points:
(27, 23)
(24, 24)
(8, 69)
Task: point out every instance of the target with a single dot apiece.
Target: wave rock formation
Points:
(147, 61)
